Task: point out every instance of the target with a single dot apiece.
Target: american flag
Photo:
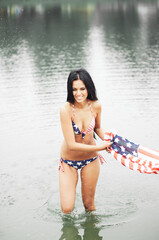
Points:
(131, 155)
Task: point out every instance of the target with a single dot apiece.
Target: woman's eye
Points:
(81, 89)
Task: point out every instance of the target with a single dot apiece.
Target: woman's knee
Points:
(89, 204)
(67, 209)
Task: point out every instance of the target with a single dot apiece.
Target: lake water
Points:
(40, 42)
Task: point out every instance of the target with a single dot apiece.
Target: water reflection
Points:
(70, 228)
(91, 228)
(69, 232)
(58, 34)
(40, 42)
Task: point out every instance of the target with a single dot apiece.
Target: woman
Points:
(80, 118)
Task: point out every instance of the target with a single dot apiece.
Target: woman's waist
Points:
(76, 155)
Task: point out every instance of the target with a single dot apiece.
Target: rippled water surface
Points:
(40, 42)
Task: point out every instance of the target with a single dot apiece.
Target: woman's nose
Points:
(78, 92)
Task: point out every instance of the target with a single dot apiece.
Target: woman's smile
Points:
(79, 89)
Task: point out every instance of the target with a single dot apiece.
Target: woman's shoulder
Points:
(66, 108)
(96, 105)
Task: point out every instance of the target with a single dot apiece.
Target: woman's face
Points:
(79, 90)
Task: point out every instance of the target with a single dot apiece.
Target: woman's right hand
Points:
(105, 144)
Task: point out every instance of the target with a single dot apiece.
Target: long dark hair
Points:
(83, 75)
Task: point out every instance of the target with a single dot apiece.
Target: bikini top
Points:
(90, 126)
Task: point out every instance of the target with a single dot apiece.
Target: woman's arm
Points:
(69, 137)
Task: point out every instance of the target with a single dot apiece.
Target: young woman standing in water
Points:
(80, 118)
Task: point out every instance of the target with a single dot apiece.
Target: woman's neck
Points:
(81, 105)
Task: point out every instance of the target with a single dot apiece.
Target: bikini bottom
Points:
(79, 164)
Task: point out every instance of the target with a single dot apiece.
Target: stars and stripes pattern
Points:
(131, 155)
(91, 125)
(89, 129)
(80, 164)
(76, 164)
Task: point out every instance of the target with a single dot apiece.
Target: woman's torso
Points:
(83, 120)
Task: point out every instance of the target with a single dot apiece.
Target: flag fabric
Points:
(131, 155)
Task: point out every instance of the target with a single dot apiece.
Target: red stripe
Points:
(123, 160)
(131, 165)
(90, 127)
(157, 169)
(148, 154)
(150, 164)
(131, 157)
(109, 134)
(138, 160)
(145, 168)
(141, 166)
(115, 155)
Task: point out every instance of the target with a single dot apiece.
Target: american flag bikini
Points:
(78, 132)
(90, 127)
(88, 130)
(131, 155)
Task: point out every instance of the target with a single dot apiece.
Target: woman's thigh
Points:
(67, 183)
(89, 178)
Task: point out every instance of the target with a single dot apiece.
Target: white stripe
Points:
(135, 166)
(143, 169)
(119, 157)
(127, 161)
(144, 157)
